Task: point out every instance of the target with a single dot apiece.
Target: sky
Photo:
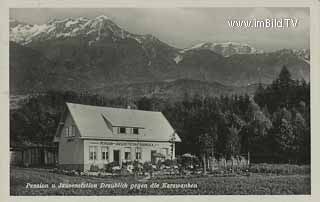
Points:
(185, 27)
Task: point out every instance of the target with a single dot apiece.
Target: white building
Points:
(91, 135)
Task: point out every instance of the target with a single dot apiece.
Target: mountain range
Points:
(98, 56)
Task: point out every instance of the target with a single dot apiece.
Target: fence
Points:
(239, 162)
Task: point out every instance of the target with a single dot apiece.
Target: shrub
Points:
(124, 171)
(147, 167)
(169, 162)
(126, 163)
(108, 167)
(94, 168)
(137, 166)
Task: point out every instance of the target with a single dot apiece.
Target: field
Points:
(256, 183)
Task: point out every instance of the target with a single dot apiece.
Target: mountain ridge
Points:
(100, 54)
(82, 22)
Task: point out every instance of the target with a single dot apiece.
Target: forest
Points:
(273, 124)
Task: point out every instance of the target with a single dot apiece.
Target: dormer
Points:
(127, 130)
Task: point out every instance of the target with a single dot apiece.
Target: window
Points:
(122, 130)
(135, 130)
(74, 130)
(127, 154)
(104, 153)
(93, 152)
(138, 153)
(70, 131)
(67, 131)
(164, 151)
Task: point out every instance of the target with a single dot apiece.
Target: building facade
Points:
(34, 155)
(90, 135)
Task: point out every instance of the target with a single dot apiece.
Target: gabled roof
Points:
(97, 122)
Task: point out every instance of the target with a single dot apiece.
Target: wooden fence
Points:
(240, 162)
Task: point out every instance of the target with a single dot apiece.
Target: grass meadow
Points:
(262, 180)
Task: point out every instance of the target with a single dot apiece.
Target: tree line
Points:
(273, 124)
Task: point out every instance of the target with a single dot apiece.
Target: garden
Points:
(183, 176)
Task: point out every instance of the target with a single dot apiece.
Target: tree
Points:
(206, 143)
(144, 103)
(234, 126)
(281, 93)
(257, 126)
(259, 95)
(301, 138)
(283, 133)
(284, 80)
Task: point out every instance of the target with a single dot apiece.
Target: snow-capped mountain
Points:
(226, 49)
(82, 54)
(95, 29)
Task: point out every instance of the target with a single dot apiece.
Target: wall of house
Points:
(146, 148)
(70, 148)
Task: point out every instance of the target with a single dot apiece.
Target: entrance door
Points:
(153, 156)
(116, 156)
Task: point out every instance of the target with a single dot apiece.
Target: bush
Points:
(124, 171)
(94, 168)
(137, 166)
(108, 167)
(169, 162)
(147, 167)
(127, 163)
(127, 167)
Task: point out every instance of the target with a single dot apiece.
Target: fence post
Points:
(232, 164)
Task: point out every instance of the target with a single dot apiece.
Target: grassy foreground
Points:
(240, 185)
